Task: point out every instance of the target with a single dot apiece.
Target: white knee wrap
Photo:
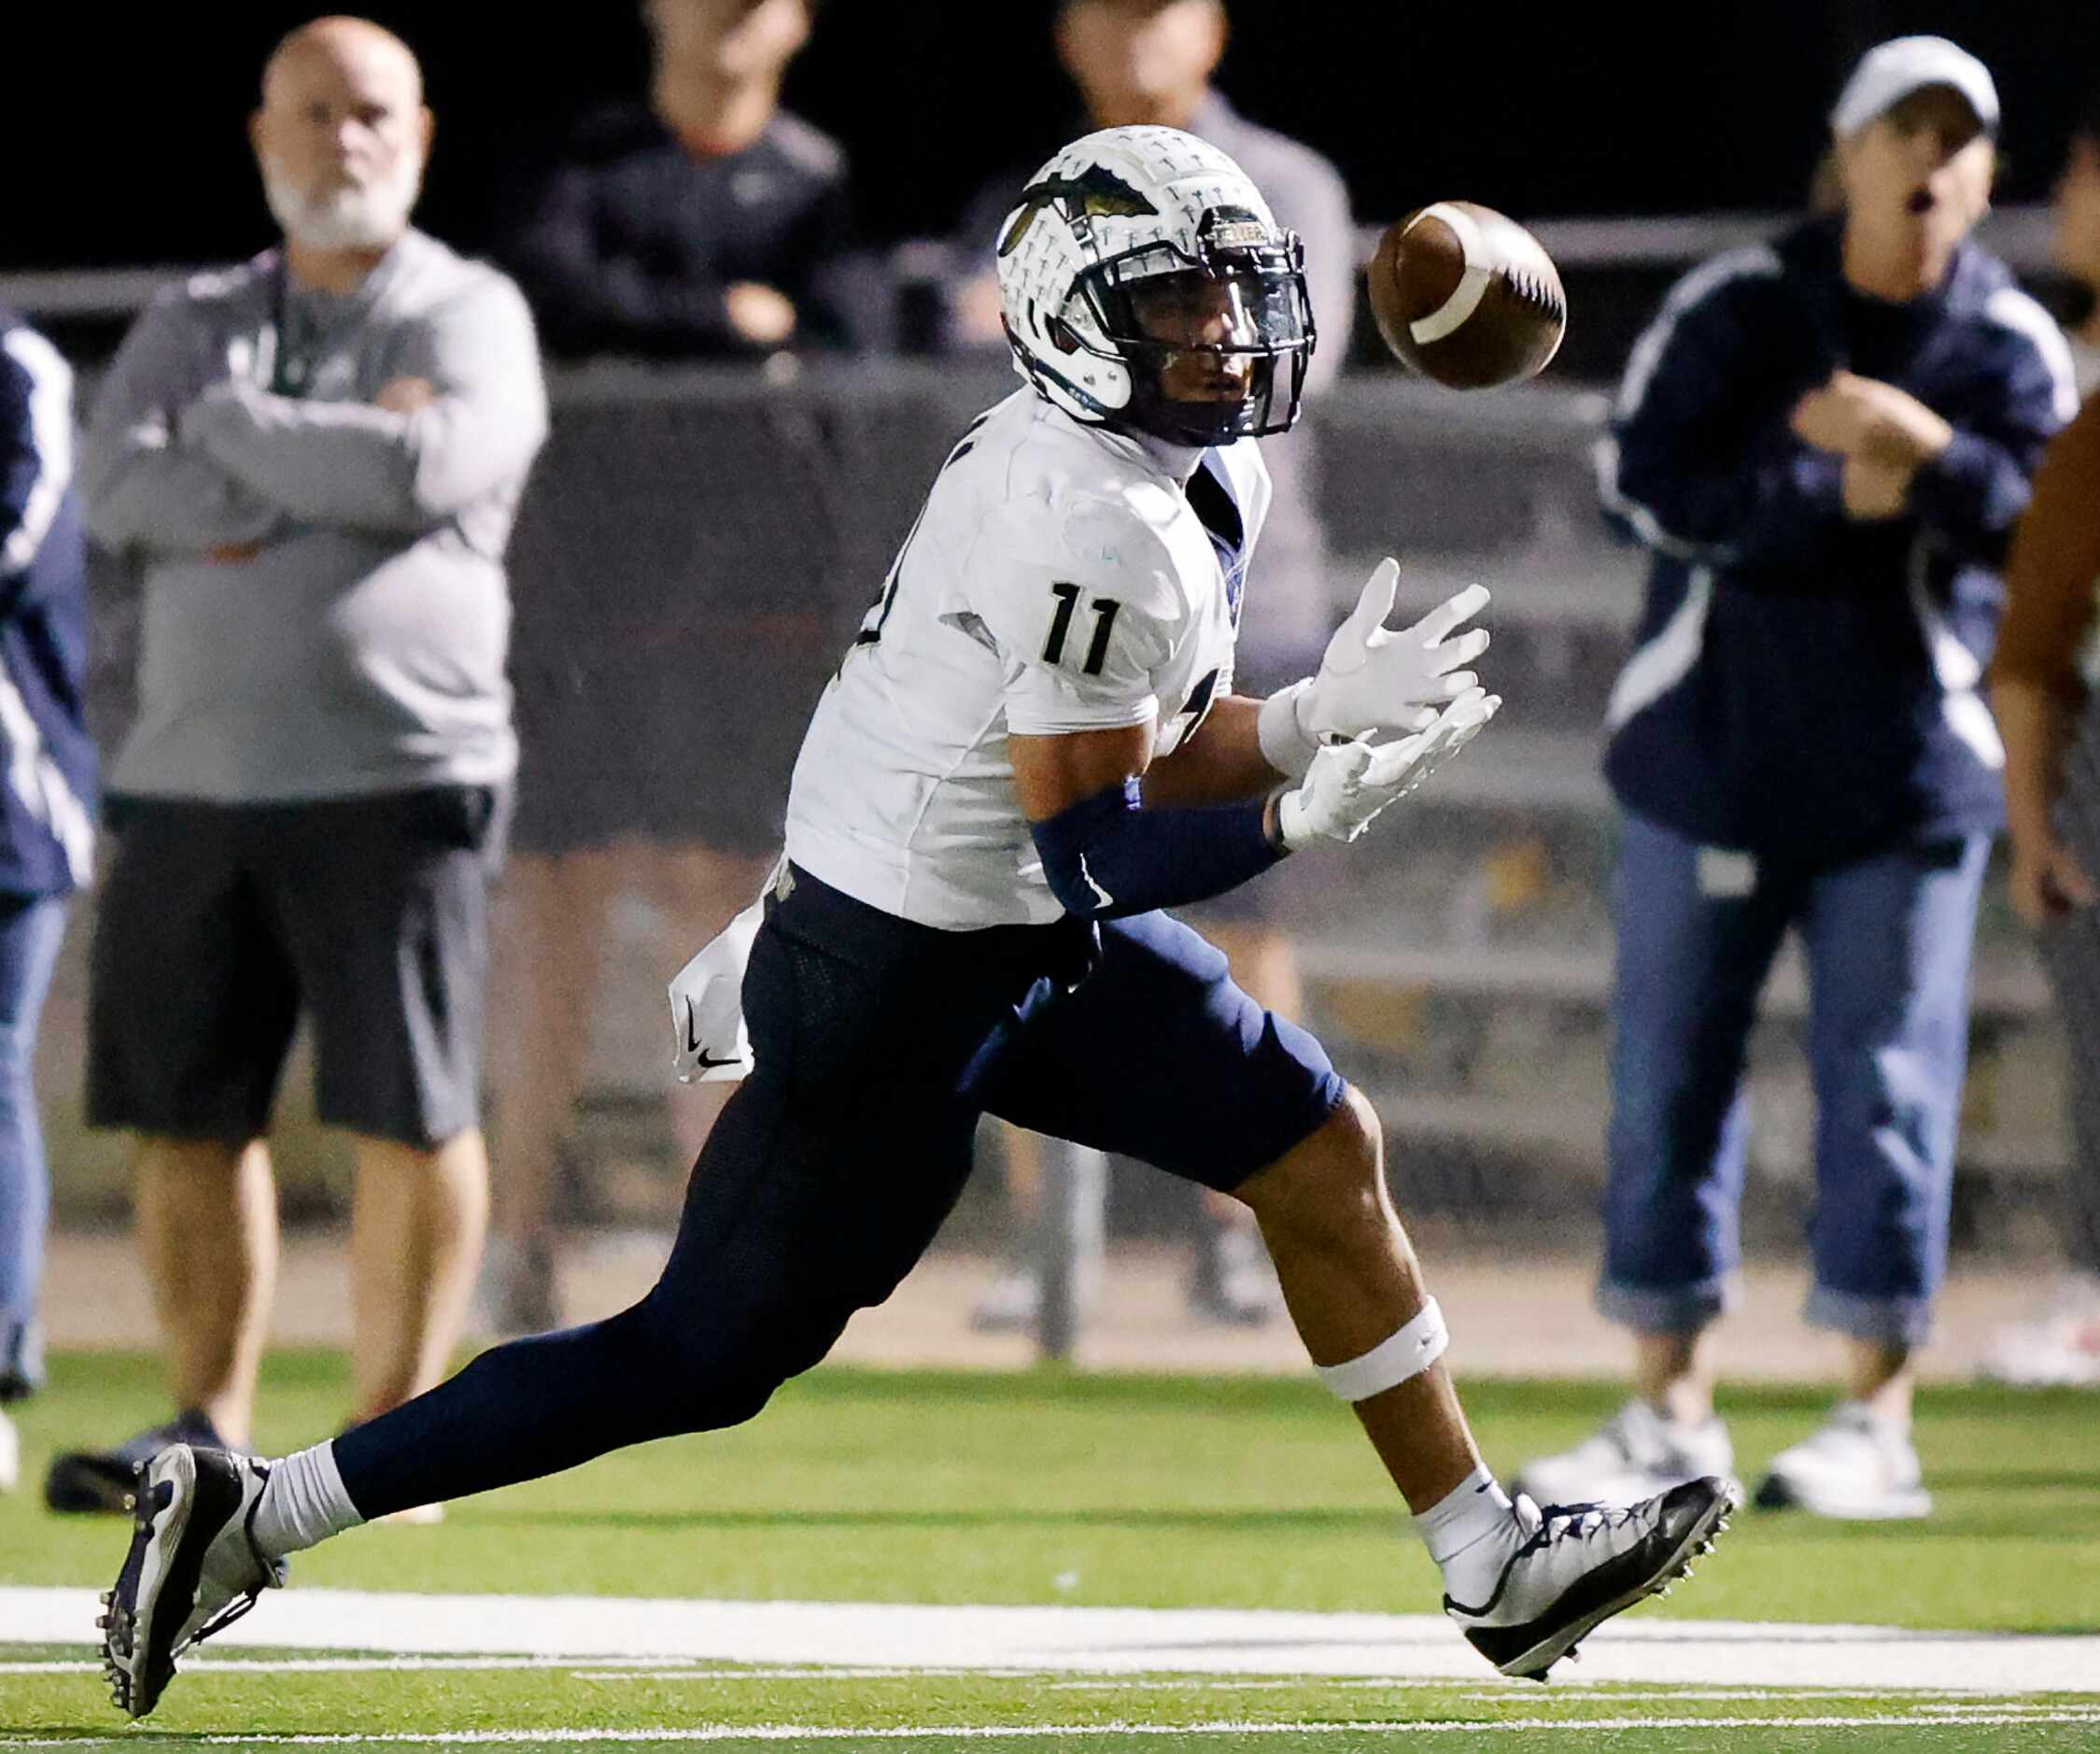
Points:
(1392, 1361)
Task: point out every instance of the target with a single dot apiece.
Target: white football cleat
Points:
(1635, 1454)
(192, 1568)
(1856, 1467)
(1583, 1564)
(2058, 1347)
(10, 1454)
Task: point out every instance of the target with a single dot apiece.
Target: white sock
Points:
(1670, 1422)
(1472, 1532)
(302, 1502)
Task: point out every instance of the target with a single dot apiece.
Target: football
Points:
(1467, 296)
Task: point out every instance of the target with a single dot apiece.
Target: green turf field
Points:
(1096, 1492)
(561, 1708)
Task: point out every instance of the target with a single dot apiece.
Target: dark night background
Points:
(137, 127)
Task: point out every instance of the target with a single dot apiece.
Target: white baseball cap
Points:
(1890, 72)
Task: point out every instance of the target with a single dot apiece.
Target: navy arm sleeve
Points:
(1973, 494)
(1700, 463)
(1108, 857)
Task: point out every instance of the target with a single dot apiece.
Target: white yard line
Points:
(1922, 1718)
(592, 1668)
(1095, 1641)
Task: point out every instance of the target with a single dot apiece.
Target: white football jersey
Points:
(1057, 580)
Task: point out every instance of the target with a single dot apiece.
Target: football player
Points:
(1030, 751)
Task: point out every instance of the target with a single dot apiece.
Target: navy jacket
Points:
(46, 800)
(627, 243)
(1803, 682)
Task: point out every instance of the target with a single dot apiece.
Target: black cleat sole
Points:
(186, 1500)
(117, 1620)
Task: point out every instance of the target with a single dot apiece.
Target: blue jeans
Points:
(30, 928)
(1887, 942)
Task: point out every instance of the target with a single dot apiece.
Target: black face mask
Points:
(1267, 404)
(1217, 348)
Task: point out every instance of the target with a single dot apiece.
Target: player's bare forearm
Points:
(1221, 765)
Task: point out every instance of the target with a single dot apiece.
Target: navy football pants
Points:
(1887, 942)
(877, 1044)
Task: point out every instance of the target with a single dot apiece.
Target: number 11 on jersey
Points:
(1104, 610)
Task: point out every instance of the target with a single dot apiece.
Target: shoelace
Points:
(226, 1616)
(1583, 1523)
(1590, 1519)
(273, 1578)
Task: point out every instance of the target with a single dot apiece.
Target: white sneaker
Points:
(1635, 1454)
(10, 1455)
(1857, 1467)
(1583, 1564)
(1008, 1306)
(516, 1293)
(1013, 1302)
(1232, 1280)
(193, 1568)
(2058, 1347)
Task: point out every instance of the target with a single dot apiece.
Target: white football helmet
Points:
(1145, 283)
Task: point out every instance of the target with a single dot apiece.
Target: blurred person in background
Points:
(313, 461)
(47, 803)
(2042, 684)
(1153, 62)
(708, 224)
(1825, 443)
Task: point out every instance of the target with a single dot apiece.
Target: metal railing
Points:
(2021, 234)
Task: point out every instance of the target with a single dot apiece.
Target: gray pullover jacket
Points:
(325, 611)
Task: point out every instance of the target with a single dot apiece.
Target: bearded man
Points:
(312, 463)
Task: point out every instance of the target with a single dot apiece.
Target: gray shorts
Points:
(218, 924)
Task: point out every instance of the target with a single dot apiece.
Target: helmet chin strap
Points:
(1183, 423)
(1153, 412)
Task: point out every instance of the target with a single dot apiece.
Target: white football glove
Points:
(1374, 679)
(711, 1042)
(1348, 784)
